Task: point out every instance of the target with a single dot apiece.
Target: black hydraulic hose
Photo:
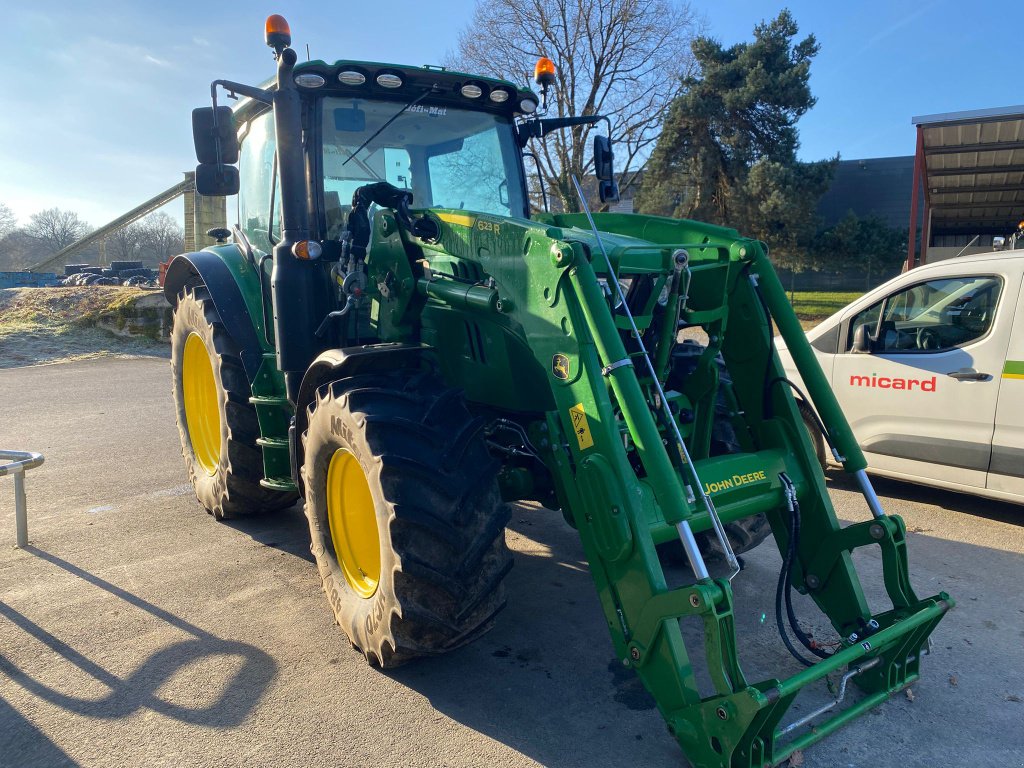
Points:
(817, 421)
(781, 595)
(794, 542)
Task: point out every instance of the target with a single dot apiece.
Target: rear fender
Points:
(234, 287)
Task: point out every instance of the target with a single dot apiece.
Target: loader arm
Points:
(611, 459)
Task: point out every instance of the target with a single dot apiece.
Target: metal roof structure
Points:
(970, 166)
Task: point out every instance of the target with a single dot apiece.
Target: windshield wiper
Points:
(390, 120)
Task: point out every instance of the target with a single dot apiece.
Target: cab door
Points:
(1006, 467)
(918, 373)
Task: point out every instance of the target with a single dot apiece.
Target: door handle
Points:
(968, 374)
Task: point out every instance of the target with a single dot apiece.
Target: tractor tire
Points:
(743, 534)
(405, 517)
(814, 433)
(216, 423)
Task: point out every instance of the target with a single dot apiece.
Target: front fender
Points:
(334, 364)
(234, 287)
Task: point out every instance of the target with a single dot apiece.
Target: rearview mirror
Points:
(207, 136)
(604, 169)
(213, 180)
(603, 159)
(349, 120)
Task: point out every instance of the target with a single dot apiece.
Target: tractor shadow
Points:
(286, 530)
(152, 685)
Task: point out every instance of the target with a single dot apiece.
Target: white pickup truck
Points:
(929, 370)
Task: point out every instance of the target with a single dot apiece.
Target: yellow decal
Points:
(457, 218)
(735, 481)
(581, 427)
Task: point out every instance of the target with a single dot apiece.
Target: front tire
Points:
(406, 521)
(216, 423)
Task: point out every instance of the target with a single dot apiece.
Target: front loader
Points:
(395, 336)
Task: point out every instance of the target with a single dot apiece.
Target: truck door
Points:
(1006, 467)
(918, 375)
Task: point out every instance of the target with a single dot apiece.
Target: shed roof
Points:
(974, 170)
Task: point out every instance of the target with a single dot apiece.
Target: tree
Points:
(8, 221)
(56, 229)
(125, 243)
(619, 58)
(778, 205)
(727, 153)
(162, 237)
(869, 246)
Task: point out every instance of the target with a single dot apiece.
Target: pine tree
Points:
(727, 151)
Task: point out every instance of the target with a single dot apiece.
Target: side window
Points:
(256, 172)
(930, 317)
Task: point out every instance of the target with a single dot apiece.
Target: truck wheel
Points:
(216, 422)
(814, 433)
(406, 521)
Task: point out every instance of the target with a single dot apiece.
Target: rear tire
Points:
(216, 422)
(406, 521)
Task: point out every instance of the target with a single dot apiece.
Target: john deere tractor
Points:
(395, 335)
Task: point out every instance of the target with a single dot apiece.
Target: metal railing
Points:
(16, 463)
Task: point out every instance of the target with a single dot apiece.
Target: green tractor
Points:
(394, 335)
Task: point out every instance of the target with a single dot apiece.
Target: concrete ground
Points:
(136, 631)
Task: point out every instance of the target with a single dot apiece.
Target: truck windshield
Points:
(449, 158)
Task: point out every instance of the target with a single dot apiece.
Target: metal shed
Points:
(970, 166)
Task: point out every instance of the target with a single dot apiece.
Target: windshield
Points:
(449, 158)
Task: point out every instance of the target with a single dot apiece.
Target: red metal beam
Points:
(919, 165)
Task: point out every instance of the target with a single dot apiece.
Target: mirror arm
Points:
(233, 89)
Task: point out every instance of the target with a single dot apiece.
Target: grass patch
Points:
(817, 305)
(49, 324)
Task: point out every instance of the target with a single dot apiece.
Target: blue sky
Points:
(99, 95)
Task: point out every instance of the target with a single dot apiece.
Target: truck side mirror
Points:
(216, 150)
(604, 169)
(862, 341)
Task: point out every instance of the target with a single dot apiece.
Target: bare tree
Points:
(162, 236)
(56, 228)
(8, 221)
(126, 242)
(619, 58)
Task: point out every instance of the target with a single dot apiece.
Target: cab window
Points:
(929, 317)
(256, 179)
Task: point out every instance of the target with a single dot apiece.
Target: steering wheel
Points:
(928, 338)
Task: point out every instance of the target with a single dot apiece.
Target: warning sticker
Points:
(581, 427)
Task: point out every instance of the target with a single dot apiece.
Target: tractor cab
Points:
(448, 138)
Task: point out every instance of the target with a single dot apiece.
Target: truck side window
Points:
(932, 316)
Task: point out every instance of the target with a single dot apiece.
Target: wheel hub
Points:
(352, 519)
(202, 405)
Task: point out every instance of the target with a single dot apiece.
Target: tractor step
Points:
(278, 484)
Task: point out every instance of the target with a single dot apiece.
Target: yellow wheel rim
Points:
(202, 406)
(353, 523)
